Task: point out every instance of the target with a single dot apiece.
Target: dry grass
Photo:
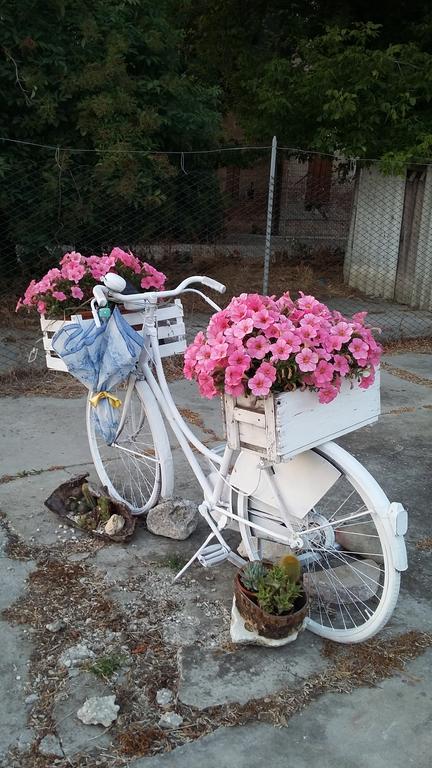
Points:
(320, 274)
(420, 346)
(173, 367)
(39, 382)
(138, 740)
(425, 545)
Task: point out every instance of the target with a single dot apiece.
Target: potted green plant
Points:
(271, 598)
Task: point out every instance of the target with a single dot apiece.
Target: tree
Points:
(335, 76)
(340, 92)
(107, 77)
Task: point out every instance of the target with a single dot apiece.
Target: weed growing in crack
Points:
(106, 666)
(174, 562)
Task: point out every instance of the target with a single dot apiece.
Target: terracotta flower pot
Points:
(267, 624)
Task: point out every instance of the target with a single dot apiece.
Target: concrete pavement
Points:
(120, 602)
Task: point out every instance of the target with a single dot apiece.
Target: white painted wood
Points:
(176, 328)
(297, 421)
(232, 431)
(170, 329)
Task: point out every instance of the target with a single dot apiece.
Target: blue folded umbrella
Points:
(101, 358)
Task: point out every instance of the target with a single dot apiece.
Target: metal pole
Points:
(267, 249)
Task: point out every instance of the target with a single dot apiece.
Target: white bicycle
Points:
(350, 540)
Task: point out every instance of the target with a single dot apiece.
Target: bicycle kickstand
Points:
(209, 555)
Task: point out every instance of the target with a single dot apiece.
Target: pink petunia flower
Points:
(268, 370)
(76, 292)
(59, 295)
(236, 390)
(323, 372)
(308, 303)
(262, 319)
(367, 381)
(327, 393)
(307, 359)
(239, 358)
(359, 349)
(219, 351)
(258, 346)
(281, 349)
(341, 364)
(307, 332)
(242, 328)
(260, 385)
(206, 385)
(234, 374)
(204, 352)
(341, 333)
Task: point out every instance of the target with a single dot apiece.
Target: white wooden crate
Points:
(286, 424)
(170, 330)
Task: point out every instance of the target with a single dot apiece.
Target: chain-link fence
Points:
(336, 228)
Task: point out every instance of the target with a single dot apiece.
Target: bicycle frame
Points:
(213, 502)
(213, 505)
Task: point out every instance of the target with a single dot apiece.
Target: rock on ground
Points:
(164, 697)
(361, 539)
(343, 584)
(50, 745)
(75, 655)
(175, 519)
(170, 720)
(99, 710)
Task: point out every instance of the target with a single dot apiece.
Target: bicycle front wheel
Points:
(137, 468)
(347, 546)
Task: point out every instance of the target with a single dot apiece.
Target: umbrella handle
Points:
(94, 309)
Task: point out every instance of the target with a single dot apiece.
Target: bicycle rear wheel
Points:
(347, 550)
(137, 468)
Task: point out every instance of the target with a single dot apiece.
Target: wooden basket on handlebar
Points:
(170, 330)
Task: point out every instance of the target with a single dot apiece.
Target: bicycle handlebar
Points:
(102, 292)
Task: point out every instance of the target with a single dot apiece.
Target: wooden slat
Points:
(249, 417)
(171, 331)
(287, 424)
(167, 331)
(174, 348)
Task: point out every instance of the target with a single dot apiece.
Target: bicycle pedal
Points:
(212, 555)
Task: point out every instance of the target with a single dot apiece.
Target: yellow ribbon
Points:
(115, 402)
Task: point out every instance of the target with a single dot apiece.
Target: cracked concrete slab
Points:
(74, 736)
(407, 394)
(396, 450)
(212, 677)
(22, 500)
(335, 731)
(16, 648)
(419, 364)
(13, 575)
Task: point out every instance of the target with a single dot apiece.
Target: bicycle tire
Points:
(138, 469)
(332, 615)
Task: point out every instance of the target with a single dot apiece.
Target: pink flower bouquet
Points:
(68, 286)
(261, 344)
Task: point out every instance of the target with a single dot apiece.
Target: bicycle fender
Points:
(293, 487)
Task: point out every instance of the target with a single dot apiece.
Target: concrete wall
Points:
(373, 245)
